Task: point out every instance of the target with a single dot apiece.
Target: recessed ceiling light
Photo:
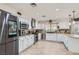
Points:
(43, 15)
(57, 9)
(33, 4)
(19, 13)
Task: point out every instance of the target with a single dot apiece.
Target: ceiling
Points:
(53, 11)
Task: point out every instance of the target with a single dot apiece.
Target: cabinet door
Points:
(26, 42)
(23, 43)
(48, 37)
(32, 39)
(52, 37)
(59, 38)
(20, 45)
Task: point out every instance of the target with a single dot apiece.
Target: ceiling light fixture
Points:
(43, 15)
(57, 9)
(33, 4)
(19, 13)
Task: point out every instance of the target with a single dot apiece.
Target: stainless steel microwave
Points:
(24, 25)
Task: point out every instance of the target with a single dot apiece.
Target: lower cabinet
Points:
(20, 44)
(73, 45)
(30, 40)
(25, 42)
(58, 37)
(51, 37)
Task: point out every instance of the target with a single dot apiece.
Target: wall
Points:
(8, 9)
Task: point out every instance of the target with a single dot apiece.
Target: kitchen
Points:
(22, 26)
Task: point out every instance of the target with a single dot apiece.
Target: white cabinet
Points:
(73, 45)
(20, 44)
(32, 39)
(52, 37)
(25, 42)
(55, 37)
(29, 40)
(66, 41)
(59, 38)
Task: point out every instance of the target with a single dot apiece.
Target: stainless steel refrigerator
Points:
(8, 34)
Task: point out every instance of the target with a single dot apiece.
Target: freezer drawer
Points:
(2, 49)
(12, 48)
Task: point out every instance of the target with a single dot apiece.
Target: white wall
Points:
(8, 9)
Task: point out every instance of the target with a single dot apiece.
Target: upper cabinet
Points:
(24, 22)
(33, 23)
(63, 25)
(75, 27)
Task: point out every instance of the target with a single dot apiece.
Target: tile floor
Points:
(46, 48)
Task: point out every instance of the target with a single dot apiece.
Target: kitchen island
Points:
(71, 41)
(25, 42)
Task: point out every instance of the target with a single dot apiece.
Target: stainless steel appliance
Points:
(8, 34)
(24, 25)
(23, 28)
